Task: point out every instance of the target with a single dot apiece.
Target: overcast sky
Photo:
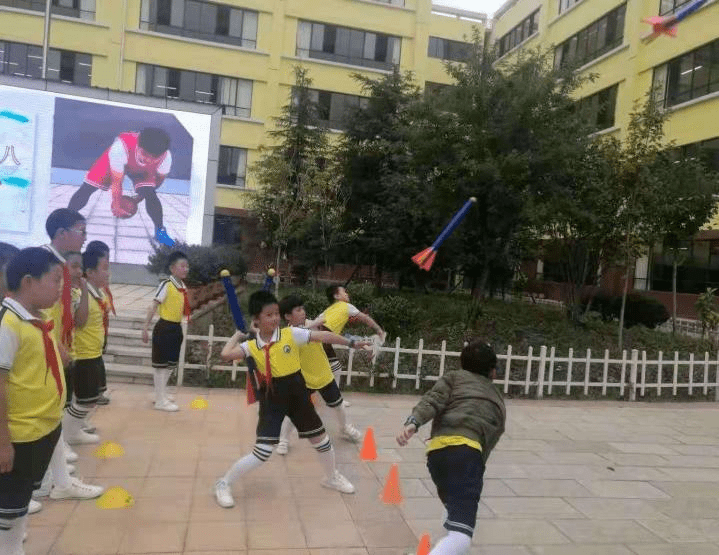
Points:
(486, 6)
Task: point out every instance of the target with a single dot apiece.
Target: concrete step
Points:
(128, 354)
(125, 337)
(126, 321)
(128, 373)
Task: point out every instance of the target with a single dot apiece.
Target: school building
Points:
(605, 37)
(236, 54)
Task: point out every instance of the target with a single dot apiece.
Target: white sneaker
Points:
(351, 433)
(346, 404)
(24, 537)
(42, 491)
(81, 437)
(34, 507)
(71, 469)
(338, 482)
(70, 455)
(167, 406)
(282, 447)
(77, 490)
(170, 398)
(87, 427)
(223, 495)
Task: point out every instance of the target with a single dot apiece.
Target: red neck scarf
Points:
(68, 323)
(50, 356)
(105, 314)
(110, 300)
(186, 310)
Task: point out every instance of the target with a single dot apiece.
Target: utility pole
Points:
(46, 38)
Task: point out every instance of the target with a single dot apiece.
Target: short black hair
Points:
(97, 246)
(478, 357)
(174, 257)
(331, 291)
(259, 300)
(153, 140)
(91, 258)
(289, 303)
(7, 253)
(33, 261)
(62, 218)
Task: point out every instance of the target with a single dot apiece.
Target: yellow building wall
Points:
(118, 45)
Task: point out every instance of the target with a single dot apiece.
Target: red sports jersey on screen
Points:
(141, 175)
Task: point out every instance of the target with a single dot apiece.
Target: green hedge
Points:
(205, 262)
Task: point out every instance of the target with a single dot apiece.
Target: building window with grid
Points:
(600, 37)
(347, 46)
(25, 60)
(521, 32)
(706, 151)
(334, 109)
(201, 20)
(446, 49)
(234, 95)
(232, 167)
(599, 108)
(82, 9)
(564, 5)
(691, 75)
(668, 7)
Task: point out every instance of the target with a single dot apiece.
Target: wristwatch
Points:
(412, 420)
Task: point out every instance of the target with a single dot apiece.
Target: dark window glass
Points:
(592, 41)
(691, 75)
(164, 12)
(222, 20)
(231, 167)
(519, 33)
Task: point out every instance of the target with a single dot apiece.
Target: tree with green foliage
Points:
(296, 175)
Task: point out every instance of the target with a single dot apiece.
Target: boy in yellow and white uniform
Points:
(89, 342)
(317, 374)
(32, 388)
(282, 393)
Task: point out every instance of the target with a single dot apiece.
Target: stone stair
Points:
(127, 358)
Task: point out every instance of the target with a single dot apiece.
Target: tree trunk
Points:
(624, 303)
(277, 271)
(674, 293)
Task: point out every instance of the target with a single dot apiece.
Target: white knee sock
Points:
(327, 455)
(287, 428)
(166, 373)
(341, 414)
(454, 543)
(58, 466)
(259, 454)
(160, 383)
(11, 533)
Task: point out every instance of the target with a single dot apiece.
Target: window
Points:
(521, 32)
(668, 7)
(699, 271)
(446, 49)
(228, 229)
(599, 108)
(707, 151)
(591, 42)
(200, 20)
(691, 75)
(25, 60)
(83, 9)
(432, 89)
(347, 46)
(564, 5)
(232, 167)
(234, 95)
(334, 109)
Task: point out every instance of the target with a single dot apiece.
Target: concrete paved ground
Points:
(568, 478)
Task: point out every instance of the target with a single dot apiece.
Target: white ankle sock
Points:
(58, 466)
(11, 533)
(287, 428)
(259, 454)
(454, 543)
(327, 456)
(341, 413)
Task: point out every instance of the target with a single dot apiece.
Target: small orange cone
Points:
(424, 547)
(369, 449)
(391, 494)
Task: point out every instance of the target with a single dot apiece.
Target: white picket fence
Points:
(534, 373)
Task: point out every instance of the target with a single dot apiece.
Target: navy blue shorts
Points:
(289, 397)
(166, 344)
(458, 473)
(87, 377)
(29, 467)
(331, 394)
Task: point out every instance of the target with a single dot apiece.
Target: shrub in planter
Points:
(205, 262)
(362, 295)
(646, 311)
(315, 302)
(398, 316)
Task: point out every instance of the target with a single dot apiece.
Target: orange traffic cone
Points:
(424, 547)
(391, 494)
(369, 448)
